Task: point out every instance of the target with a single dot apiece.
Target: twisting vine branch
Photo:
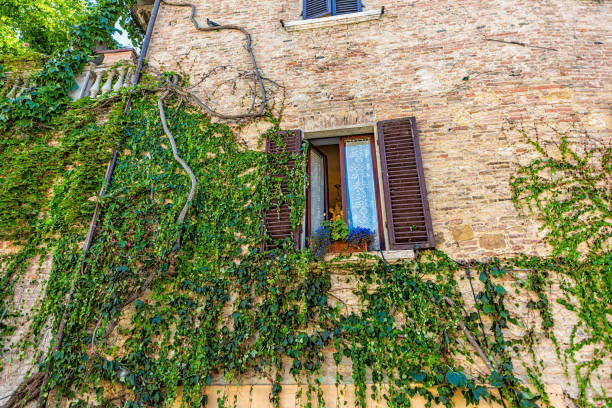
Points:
(182, 162)
(258, 77)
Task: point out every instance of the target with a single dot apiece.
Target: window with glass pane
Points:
(317, 190)
(361, 205)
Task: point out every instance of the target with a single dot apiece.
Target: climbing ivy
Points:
(158, 321)
(152, 318)
(569, 187)
(49, 88)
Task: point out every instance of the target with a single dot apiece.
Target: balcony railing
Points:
(114, 72)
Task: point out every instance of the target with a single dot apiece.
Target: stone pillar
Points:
(106, 88)
(95, 88)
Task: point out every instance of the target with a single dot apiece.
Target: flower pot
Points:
(341, 247)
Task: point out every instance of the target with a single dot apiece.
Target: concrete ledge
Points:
(334, 20)
(350, 130)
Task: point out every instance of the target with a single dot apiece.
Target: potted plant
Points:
(359, 237)
(336, 237)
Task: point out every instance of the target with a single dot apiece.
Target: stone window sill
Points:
(324, 22)
(390, 255)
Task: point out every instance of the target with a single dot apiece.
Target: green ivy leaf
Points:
(456, 378)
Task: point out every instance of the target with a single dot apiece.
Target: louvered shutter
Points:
(408, 218)
(346, 6)
(316, 8)
(277, 219)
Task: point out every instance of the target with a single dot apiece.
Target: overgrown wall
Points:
(431, 60)
(469, 71)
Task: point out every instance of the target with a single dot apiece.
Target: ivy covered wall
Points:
(174, 298)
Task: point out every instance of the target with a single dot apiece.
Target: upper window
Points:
(324, 8)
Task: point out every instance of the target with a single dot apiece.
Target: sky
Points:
(123, 39)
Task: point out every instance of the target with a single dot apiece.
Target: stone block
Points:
(492, 241)
(462, 233)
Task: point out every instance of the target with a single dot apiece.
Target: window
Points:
(344, 182)
(324, 8)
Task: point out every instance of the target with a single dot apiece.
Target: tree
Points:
(38, 25)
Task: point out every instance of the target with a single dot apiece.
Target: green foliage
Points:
(57, 168)
(569, 187)
(570, 181)
(50, 87)
(338, 229)
(43, 25)
(218, 307)
(29, 60)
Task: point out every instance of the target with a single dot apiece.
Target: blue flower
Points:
(358, 236)
(320, 241)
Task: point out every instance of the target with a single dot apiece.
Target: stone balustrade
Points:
(97, 81)
(15, 84)
(115, 72)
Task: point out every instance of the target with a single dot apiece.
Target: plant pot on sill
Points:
(341, 247)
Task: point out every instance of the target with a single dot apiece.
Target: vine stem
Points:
(469, 336)
(258, 77)
(183, 163)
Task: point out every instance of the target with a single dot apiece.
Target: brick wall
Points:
(427, 59)
(431, 60)
(26, 299)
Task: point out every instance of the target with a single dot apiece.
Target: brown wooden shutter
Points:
(408, 218)
(277, 219)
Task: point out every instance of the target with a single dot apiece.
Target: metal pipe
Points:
(111, 165)
(147, 39)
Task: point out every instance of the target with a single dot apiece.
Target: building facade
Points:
(466, 77)
(467, 72)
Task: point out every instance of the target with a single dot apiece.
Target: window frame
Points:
(308, 199)
(375, 175)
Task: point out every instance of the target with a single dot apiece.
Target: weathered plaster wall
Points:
(427, 59)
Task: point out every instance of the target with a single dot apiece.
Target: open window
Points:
(349, 187)
(344, 184)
